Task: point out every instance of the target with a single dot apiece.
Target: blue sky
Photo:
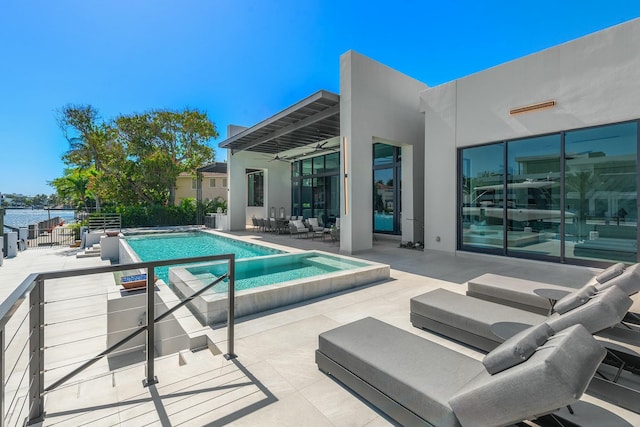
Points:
(240, 61)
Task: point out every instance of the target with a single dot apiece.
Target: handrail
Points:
(132, 335)
(33, 288)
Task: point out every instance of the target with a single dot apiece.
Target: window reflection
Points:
(482, 206)
(533, 195)
(597, 218)
(600, 188)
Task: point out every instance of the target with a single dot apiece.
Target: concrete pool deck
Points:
(274, 380)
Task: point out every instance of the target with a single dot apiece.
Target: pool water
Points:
(191, 244)
(274, 269)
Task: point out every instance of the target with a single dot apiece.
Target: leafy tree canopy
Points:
(135, 158)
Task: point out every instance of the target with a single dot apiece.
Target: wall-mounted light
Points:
(533, 107)
(345, 168)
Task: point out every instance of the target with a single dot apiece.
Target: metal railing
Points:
(104, 221)
(32, 290)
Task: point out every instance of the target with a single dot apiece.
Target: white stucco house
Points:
(534, 158)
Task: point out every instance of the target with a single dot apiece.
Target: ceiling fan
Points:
(279, 158)
(320, 147)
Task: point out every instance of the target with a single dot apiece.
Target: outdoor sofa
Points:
(418, 382)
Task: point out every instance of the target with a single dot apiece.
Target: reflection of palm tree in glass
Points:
(585, 183)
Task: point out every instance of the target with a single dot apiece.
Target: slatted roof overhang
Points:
(309, 121)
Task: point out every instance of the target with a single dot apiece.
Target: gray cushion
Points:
(511, 289)
(469, 314)
(555, 375)
(575, 299)
(610, 272)
(603, 310)
(628, 282)
(419, 374)
(516, 349)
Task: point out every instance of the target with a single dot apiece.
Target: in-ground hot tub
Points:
(272, 281)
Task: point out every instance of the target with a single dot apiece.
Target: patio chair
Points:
(533, 296)
(419, 382)
(254, 221)
(313, 225)
(297, 227)
(262, 226)
(485, 325)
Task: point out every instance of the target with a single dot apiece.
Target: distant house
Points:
(214, 183)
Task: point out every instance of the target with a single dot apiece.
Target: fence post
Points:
(151, 378)
(36, 352)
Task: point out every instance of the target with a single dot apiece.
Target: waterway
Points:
(23, 217)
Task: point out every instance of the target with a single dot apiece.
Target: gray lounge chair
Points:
(419, 382)
(485, 325)
(536, 296)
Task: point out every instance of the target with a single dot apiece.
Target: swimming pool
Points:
(190, 244)
(266, 278)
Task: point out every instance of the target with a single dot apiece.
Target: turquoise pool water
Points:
(275, 269)
(191, 244)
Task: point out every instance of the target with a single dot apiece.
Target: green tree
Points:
(73, 187)
(158, 146)
(91, 141)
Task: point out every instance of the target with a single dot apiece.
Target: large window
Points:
(533, 195)
(482, 195)
(601, 193)
(255, 188)
(570, 196)
(315, 189)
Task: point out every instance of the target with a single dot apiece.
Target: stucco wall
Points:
(377, 103)
(277, 182)
(594, 80)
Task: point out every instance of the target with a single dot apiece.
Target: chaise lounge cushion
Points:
(511, 290)
(575, 299)
(419, 374)
(628, 281)
(517, 349)
(468, 314)
(555, 375)
(603, 310)
(610, 272)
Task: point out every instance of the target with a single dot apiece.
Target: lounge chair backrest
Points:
(603, 310)
(575, 299)
(555, 375)
(517, 349)
(628, 281)
(610, 272)
(313, 222)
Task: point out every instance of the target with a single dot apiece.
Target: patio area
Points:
(274, 380)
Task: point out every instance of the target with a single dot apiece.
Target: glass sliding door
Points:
(482, 198)
(601, 193)
(533, 196)
(386, 188)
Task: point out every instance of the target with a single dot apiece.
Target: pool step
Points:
(321, 261)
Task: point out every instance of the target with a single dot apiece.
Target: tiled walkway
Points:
(274, 380)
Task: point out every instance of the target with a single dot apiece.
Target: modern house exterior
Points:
(534, 158)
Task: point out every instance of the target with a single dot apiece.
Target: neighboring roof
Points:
(311, 120)
(216, 167)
